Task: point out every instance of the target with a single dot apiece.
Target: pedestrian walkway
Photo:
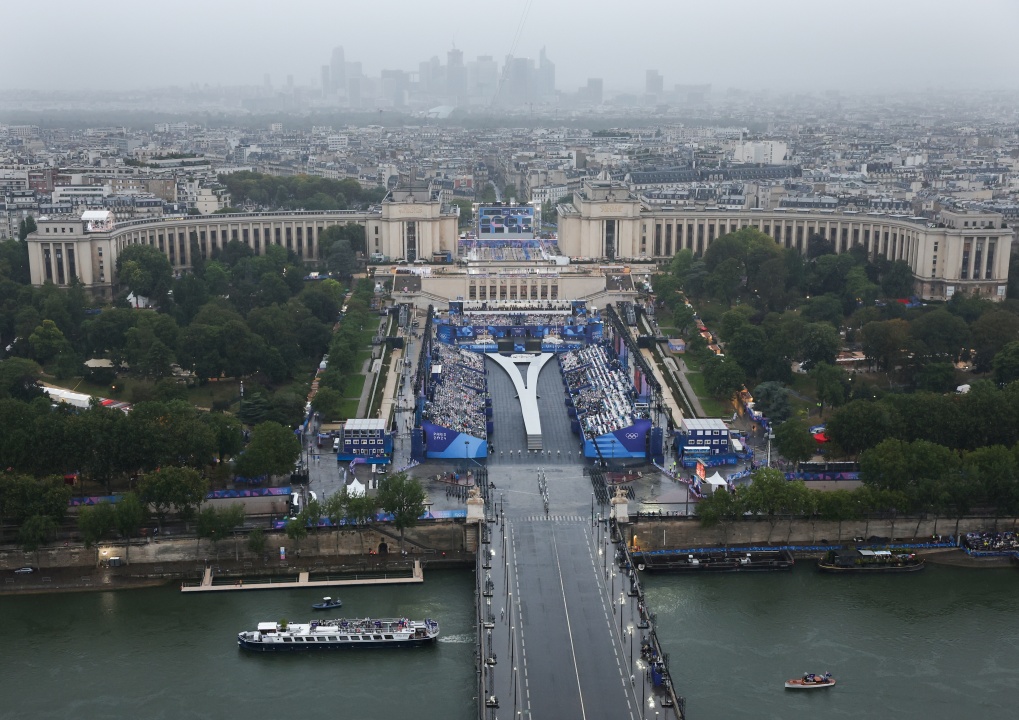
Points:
(304, 580)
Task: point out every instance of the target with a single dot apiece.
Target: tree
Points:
(36, 531)
(682, 318)
(897, 280)
(18, 378)
(991, 332)
(748, 346)
(182, 489)
(884, 342)
(935, 377)
(772, 399)
(1006, 364)
(722, 508)
(297, 529)
(724, 282)
(342, 261)
(733, 321)
(145, 271)
(820, 343)
(256, 541)
(838, 506)
(467, 211)
(361, 511)
(216, 523)
(336, 509)
(327, 402)
(272, 450)
(129, 514)
(823, 308)
(404, 498)
(794, 441)
(26, 227)
(831, 383)
(723, 378)
(943, 334)
(860, 425)
(818, 245)
(227, 431)
(994, 468)
(95, 522)
(47, 341)
(769, 494)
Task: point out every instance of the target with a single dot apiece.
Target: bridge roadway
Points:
(557, 621)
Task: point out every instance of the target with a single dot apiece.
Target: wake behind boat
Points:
(810, 681)
(337, 634)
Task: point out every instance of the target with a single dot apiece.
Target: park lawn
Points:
(353, 385)
(711, 406)
(348, 408)
(126, 387)
(669, 331)
(213, 392)
(121, 389)
(361, 357)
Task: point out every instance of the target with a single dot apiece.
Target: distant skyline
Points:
(782, 45)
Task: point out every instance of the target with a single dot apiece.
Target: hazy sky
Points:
(777, 44)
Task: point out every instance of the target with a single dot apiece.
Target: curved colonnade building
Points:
(957, 252)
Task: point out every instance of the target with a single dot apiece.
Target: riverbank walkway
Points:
(304, 580)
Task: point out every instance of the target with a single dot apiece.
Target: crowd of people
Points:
(457, 396)
(512, 319)
(1007, 541)
(601, 391)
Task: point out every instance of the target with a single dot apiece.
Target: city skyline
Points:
(874, 47)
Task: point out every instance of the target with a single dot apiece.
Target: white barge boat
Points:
(339, 634)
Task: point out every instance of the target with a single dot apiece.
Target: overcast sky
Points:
(776, 44)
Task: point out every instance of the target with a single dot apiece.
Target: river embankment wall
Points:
(432, 540)
(672, 532)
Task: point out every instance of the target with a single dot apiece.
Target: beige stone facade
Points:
(954, 252)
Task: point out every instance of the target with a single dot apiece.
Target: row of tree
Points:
(401, 496)
(346, 346)
(39, 508)
(299, 192)
(985, 480)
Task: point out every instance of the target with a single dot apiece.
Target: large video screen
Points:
(515, 221)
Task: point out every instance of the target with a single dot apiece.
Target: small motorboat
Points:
(327, 603)
(810, 681)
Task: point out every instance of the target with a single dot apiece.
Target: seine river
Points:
(155, 653)
(943, 643)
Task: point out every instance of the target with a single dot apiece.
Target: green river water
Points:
(942, 643)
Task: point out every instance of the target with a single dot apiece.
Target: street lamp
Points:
(771, 436)
(629, 628)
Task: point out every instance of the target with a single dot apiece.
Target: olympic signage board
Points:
(516, 221)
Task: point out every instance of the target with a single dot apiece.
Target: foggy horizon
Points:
(786, 46)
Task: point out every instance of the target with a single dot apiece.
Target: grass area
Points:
(129, 389)
(205, 396)
(711, 406)
(348, 409)
(669, 331)
(361, 357)
(353, 385)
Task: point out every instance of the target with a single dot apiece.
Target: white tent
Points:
(355, 489)
(714, 482)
